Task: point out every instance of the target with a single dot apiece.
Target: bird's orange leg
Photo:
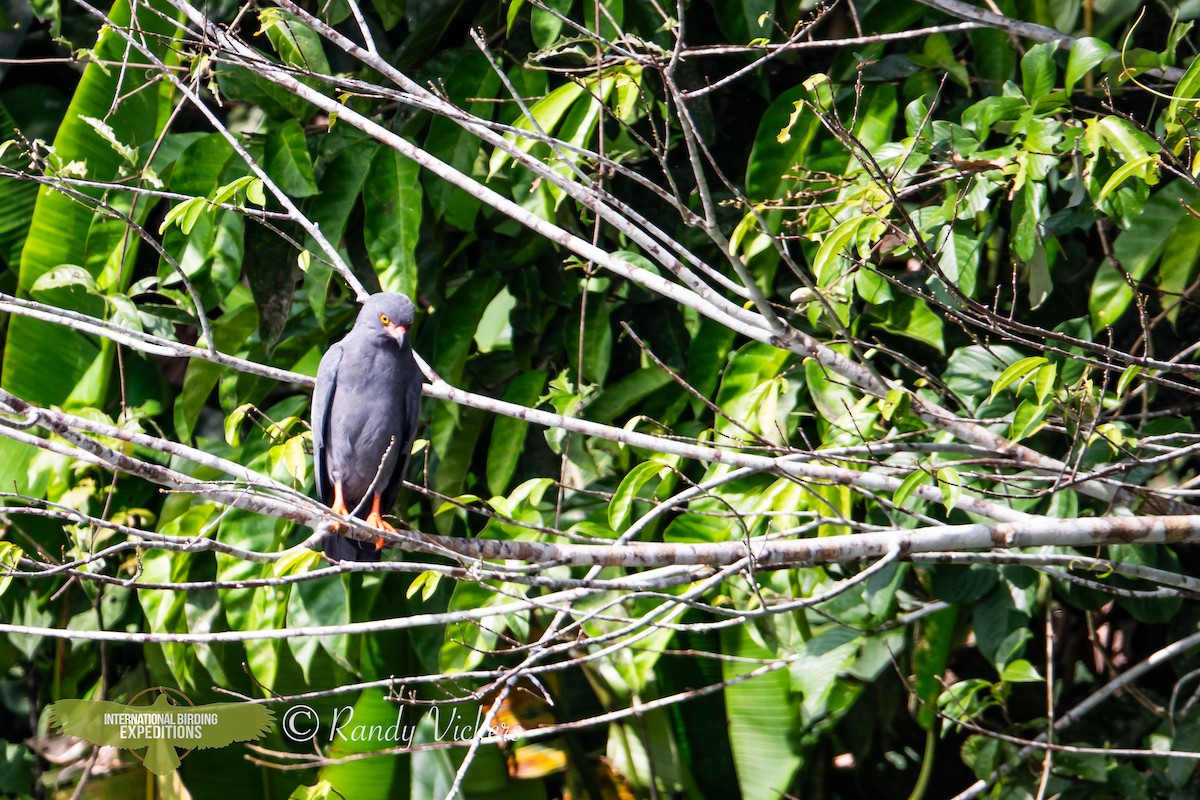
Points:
(376, 520)
(339, 501)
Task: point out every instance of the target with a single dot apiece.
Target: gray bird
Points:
(364, 419)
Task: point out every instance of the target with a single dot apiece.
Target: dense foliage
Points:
(881, 285)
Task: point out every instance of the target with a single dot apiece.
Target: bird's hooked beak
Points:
(395, 331)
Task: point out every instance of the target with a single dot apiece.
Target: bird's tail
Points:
(339, 548)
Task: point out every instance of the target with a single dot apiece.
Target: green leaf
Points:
(184, 214)
(545, 25)
(762, 717)
(1015, 372)
(1044, 382)
(233, 424)
(392, 220)
(295, 459)
(829, 263)
(229, 333)
(508, 434)
(597, 340)
(931, 653)
(911, 317)
(43, 362)
(316, 602)
(1145, 167)
(247, 182)
(1127, 377)
(1186, 95)
(1020, 671)
(288, 161)
(1086, 53)
(546, 113)
(510, 19)
(457, 321)
(1028, 420)
(467, 642)
(1178, 268)
(343, 181)
(426, 583)
(298, 45)
(950, 484)
(467, 76)
(71, 276)
(618, 398)
(621, 505)
(10, 554)
(1038, 71)
(918, 477)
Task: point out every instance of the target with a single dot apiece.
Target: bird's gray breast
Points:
(368, 415)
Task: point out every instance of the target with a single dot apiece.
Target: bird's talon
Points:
(376, 521)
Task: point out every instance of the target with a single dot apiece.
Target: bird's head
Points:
(387, 313)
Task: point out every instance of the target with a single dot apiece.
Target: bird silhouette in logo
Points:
(161, 726)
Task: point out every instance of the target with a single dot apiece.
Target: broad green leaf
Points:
(1020, 671)
(42, 362)
(317, 602)
(763, 718)
(1110, 295)
(611, 12)
(1028, 420)
(937, 49)
(597, 340)
(1086, 53)
(233, 424)
(918, 477)
(343, 181)
(1131, 372)
(911, 317)
(468, 75)
(392, 220)
(10, 554)
(466, 642)
(1186, 95)
(618, 398)
(931, 653)
(297, 44)
(1044, 381)
(951, 486)
(1027, 219)
(288, 161)
(1038, 72)
(368, 777)
(1145, 168)
(508, 434)
(546, 113)
(1015, 372)
(621, 505)
(1178, 268)
(546, 25)
(252, 186)
(829, 263)
(185, 215)
(457, 323)
(67, 276)
(229, 333)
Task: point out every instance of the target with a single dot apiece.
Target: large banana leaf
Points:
(48, 363)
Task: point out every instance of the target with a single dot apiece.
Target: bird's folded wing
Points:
(322, 398)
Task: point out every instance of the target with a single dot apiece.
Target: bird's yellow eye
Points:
(384, 319)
